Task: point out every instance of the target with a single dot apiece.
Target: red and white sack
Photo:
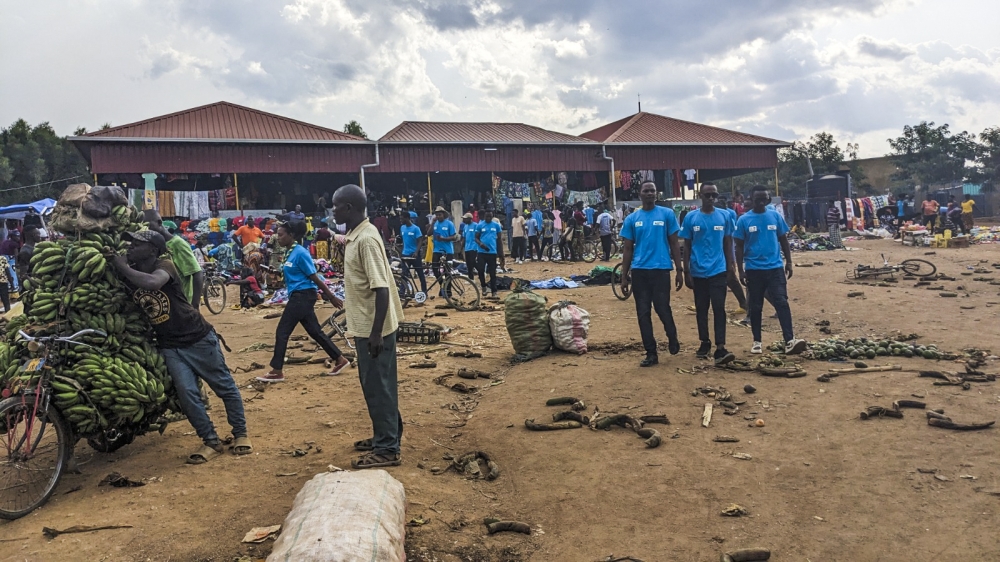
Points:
(569, 325)
(345, 516)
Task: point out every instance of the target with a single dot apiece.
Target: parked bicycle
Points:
(459, 291)
(590, 252)
(214, 291)
(915, 267)
(36, 440)
(616, 284)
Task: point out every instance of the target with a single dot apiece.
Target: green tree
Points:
(36, 155)
(354, 128)
(930, 155)
(987, 170)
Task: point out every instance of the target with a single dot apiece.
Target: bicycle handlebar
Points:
(68, 339)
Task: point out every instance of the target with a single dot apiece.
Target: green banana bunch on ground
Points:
(121, 379)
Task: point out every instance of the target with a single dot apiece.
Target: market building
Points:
(236, 158)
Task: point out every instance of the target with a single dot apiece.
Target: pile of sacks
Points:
(534, 327)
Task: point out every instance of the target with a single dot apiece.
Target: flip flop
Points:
(203, 455)
(363, 445)
(241, 446)
(371, 460)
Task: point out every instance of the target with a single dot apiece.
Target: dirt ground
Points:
(821, 484)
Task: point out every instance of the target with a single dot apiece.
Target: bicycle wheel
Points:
(461, 293)
(215, 295)
(34, 450)
(589, 252)
(918, 267)
(405, 287)
(616, 287)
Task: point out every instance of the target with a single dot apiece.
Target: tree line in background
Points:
(36, 163)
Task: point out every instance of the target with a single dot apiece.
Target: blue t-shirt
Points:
(589, 212)
(411, 239)
(537, 215)
(469, 234)
(444, 229)
(900, 208)
(298, 268)
(706, 233)
(759, 233)
(649, 231)
(413, 215)
(488, 232)
(531, 227)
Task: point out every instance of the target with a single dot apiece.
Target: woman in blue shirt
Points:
(301, 281)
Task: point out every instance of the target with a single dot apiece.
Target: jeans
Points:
(488, 264)
(774, 283)
(534, 250)
(651, 287)
(606, 246)
(518, 247)
(417, 264)
(711, 291)
(204, 360)
(299, 310)
(471, 263)
(378, 384)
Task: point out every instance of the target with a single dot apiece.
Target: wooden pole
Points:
(430, 195)
(776, 191)
(236, 184)
(95, 179)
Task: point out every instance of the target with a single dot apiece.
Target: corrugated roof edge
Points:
(629, 121)
(582, 141)
(105, 132)
(221, 141)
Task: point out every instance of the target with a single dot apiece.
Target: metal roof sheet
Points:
(221, 121)
(481, 133)
(649, 128)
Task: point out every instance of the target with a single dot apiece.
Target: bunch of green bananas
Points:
(121, 379)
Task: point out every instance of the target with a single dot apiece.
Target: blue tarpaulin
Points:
(18, 211)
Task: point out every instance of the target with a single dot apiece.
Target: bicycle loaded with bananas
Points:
(109, 384)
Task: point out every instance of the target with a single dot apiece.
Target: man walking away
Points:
(605, 223)
(188, 343)
(930, 209)
(761, 239)
(373, 315)
(707, 233)
(531, 226)
(471, 250)
(968, 206)
(650, 235)
(490, 248)
(518, 241)
(833, 223)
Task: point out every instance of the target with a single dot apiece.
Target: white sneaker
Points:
(795, 346)
(756, 349)
(545, 258)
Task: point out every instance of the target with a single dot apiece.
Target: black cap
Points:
(154, 238)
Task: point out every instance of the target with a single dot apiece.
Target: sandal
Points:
(241, 446)
(364, 445)
(372, 460)
(204, 454)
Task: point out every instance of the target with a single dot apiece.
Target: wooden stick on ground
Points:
(706, 416)
(868, 369)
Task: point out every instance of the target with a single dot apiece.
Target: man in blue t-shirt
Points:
(708, 265)
(605, 227)
(650, 235)
(761, 239)
(412, 256)
(531, 229)
(900, 215)
(490, 248)
(444, 234)
(470, 249)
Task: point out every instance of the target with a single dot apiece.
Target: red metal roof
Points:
(479, 133)
(220, 122)
(649, 128)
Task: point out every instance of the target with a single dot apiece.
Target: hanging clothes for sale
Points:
(849, 213)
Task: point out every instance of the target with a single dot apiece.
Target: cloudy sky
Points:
(861, 69)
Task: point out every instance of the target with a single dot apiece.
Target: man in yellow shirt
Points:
(373, 314)
(967, 207)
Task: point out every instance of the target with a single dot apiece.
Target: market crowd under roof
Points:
(228, 138)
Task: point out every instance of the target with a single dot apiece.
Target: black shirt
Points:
(175, 321)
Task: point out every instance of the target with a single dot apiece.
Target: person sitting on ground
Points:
(189, 344)
(250, 293)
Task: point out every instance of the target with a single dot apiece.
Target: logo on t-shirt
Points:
(155, 304)
(772, 227)
(717, 227)
(752, 229)
(657, 223)
(638, 223)
(697, 229)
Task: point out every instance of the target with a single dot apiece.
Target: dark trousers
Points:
(534, 250)
(299, 310)
(711, 291)
(518, 247)
(436, 264)
(737, 288)
(773, 282)
(566, 250)
(606, 246)
(488, 264)
(418, 265)
(929, 222)
(471, 263)
(546, 242)
(378, 384)
(5, 296)
(651, 288)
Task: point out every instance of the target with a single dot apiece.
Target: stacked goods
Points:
(870, 348)
(120, 381)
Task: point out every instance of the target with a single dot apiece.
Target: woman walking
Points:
(301, 281)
